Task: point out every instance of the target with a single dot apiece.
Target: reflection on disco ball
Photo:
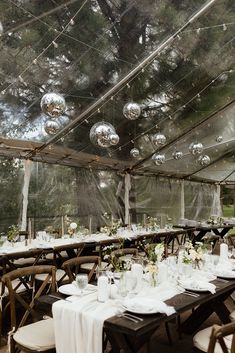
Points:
(114, 139)
(196, 148)
(177, 155)
(134, 152)
(53, 104)
(103, 134)
(51, 127)
(159, 139)
(219, 138)
(131, 110)
(158, 158)
(204, 160)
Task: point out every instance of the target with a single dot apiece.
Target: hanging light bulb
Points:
(159, 139)
(177, 155)
(204, 160)
(196, 148)
(51, 127)
(158, 158)
(134, 152)
(131, 111)
(53, 104)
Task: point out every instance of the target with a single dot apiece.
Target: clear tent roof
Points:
(91, 52)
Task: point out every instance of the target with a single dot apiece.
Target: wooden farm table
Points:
(198, 232)
(126, 336)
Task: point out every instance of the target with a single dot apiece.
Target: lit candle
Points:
(144, 219)
(224, 251)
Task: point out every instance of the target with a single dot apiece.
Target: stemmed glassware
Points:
(82, 281)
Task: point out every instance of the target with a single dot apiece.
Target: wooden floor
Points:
(160, 343)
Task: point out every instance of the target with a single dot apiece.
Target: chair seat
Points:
(38, 336)
(232, 316)
(59, 274)
(88, 266)
(202, 338)
(24, 262)
(21, 288)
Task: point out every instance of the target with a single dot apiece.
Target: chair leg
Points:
(168, 333)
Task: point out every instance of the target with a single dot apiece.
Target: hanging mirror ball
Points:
(196, 148)
(51, 127)
(53, 104)
(134, 152)
(100, 134)
(114, 139)
(158, 158)
(204, 160)
(159, 139)
(219, 138)
(177, 155)
(131, 110)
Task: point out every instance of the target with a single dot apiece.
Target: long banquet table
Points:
(126, 336)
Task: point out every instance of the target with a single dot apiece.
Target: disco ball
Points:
(134, 152)
(51, 127)
(204, 160)
(219, 139)
(159, 139)
(114, 139)
(100, 134)
(53, 104)
(1, 28)
(196, 148)
(158, 158)
(131, 111)
(177, 155)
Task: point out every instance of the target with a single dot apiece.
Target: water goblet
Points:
(82, 281)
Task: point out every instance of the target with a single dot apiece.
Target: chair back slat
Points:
(73, 266)
(218, 334)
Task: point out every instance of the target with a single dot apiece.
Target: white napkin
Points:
(147, 305)
(197, 284)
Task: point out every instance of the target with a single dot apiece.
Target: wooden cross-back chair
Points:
(26, 333)
(74, 266)
(216, 339)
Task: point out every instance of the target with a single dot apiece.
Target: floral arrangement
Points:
(13, 233)
(112, 229)
(72, 228)
(154, 252)
(152, 223)
(193, 254)
(116, 262)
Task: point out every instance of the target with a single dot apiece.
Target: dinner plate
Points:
(71, 289)
(193, 289)
(228, 275)
(140, 309)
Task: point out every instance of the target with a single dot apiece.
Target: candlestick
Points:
(29, 230)
(62, 226)
(144, 219)
(111, 220)
(90, 225)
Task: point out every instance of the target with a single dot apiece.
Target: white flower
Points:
(73, 225)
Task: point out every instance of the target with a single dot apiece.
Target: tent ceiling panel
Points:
(90, 50)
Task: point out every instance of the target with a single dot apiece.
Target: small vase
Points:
(153, 279)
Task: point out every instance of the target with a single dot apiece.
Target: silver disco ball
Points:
(159, 139)
(158, 158)
(100, 134)
(51, 127)
(114, 139)
(177, 155)
(204, 160)
(196, 148)
(131, 110)
(219, 139)
(134, 152)
(1, 28)
(53, 104)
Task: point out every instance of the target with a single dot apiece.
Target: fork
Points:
(130, 317)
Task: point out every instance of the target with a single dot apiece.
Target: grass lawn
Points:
(228, 210)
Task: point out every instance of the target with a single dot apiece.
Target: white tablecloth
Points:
(79, 324)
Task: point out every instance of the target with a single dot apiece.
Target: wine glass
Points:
(82, 281)
(131, 282)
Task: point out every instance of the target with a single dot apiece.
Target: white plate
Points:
(135, 307)
(71, 289)
(193, 289)
(229, 275)
(140, 311)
